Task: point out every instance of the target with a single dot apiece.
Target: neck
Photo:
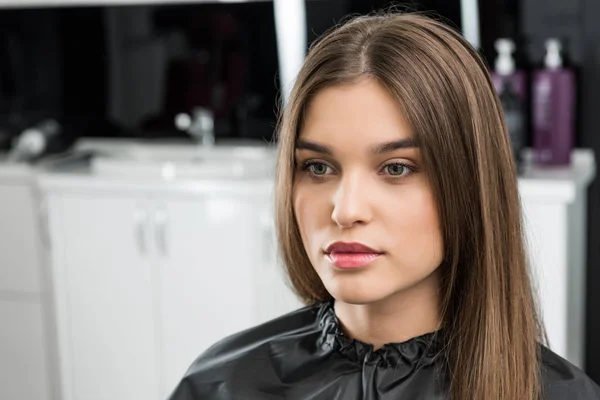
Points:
(406, 314)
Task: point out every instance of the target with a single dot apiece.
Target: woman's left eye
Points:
(397, 170)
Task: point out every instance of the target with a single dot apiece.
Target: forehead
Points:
(362, 111)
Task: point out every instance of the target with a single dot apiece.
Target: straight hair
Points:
(443, 89)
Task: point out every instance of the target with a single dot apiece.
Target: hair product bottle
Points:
(553, 109)
(510, 84)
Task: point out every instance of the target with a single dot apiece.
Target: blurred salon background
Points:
(136, 167)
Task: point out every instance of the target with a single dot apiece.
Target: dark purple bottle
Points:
(553, 109)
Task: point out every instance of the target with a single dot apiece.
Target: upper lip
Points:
(349, 247)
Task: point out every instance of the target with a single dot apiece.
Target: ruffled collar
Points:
(418, 351)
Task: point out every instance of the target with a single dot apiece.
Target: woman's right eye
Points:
(317, 168)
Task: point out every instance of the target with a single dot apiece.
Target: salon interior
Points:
(116, 236)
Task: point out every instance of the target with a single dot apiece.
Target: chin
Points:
(352, 293)
(356, 298)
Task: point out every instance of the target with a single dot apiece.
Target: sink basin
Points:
(183, 161)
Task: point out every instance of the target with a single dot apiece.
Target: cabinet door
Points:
(23, 356)
(208, 251)
(19, 257)
(103, 281)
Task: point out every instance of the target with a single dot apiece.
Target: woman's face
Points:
(359, 180)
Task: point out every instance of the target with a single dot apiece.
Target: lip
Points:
(349, 247)
(350, 255)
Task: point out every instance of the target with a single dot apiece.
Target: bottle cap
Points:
(505, 63)
(553, 58)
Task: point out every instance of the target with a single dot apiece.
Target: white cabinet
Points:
(206, 267)
(144, 282)
(104, 295)
(556, 239)
(19, 256)
(23, 354)
(554, 209)
(24, 358)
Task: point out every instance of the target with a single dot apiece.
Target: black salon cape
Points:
(305, 356)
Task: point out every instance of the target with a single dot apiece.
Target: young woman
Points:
(399, 223)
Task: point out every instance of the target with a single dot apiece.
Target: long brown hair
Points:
(443, 89)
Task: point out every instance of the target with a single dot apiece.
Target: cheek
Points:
(414, 225)
(310, 211)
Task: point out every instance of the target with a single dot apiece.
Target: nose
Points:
(351, 202)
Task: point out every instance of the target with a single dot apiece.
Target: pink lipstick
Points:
(350, 255)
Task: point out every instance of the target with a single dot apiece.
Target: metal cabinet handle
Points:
(139, 229)
(160, 222)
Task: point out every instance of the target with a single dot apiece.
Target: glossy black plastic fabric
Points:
(305, 355)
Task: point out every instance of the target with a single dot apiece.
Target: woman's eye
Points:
(318, 169)
(397, 170)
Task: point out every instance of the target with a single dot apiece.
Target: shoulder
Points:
(242, 357)
(563, 380)
(244, 343)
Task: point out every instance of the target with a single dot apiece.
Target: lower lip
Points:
(352, 260)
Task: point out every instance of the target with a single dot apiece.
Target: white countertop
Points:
(558, 184)
(80, 181)
(15, 172)
(81, 176)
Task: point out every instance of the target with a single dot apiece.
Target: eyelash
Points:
(306, 167)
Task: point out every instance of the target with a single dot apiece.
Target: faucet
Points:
(200, 126)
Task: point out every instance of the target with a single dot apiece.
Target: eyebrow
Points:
(382, 148)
